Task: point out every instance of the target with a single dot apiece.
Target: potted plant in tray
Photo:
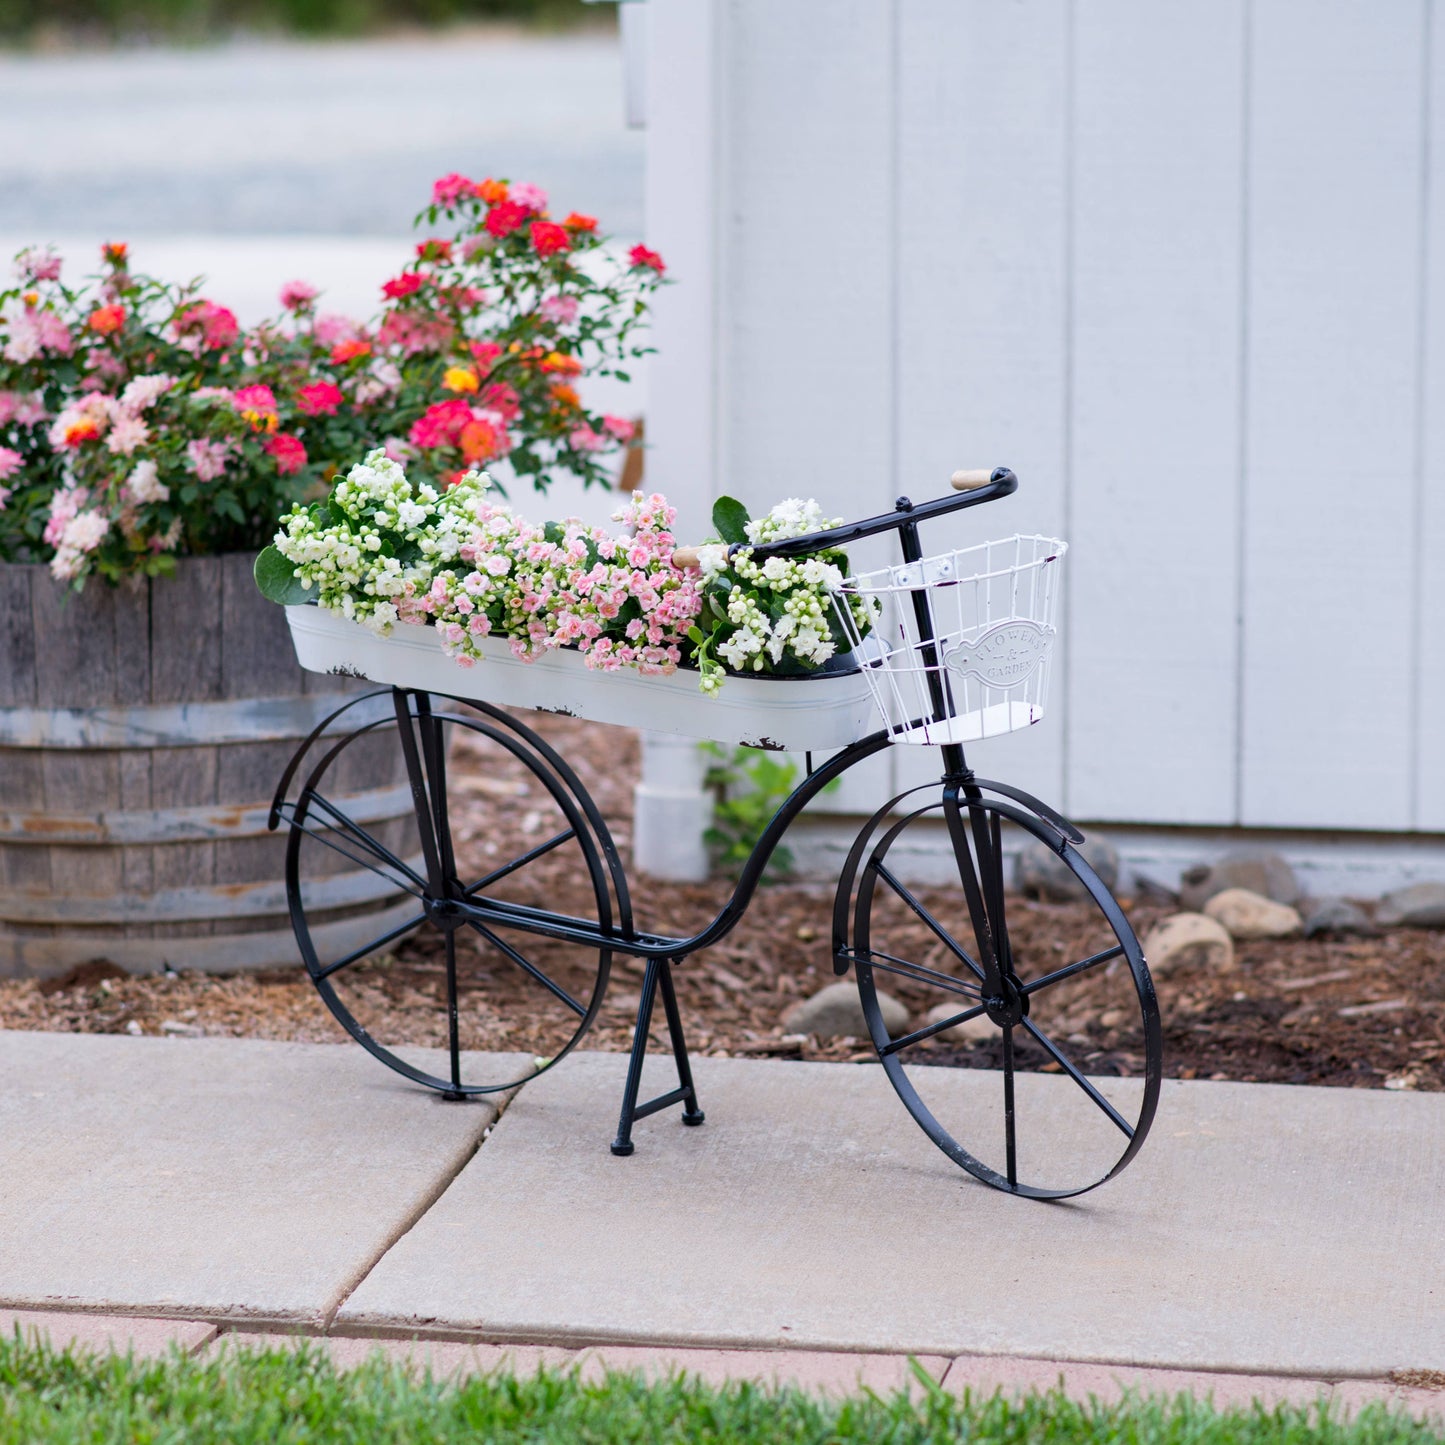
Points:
(147, 444)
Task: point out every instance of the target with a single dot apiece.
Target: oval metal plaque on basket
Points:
(1003, 655)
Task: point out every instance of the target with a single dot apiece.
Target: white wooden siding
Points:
(1182, 265)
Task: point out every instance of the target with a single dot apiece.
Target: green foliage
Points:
(192, 20)
(285, 1397)
(276, 577)
(730, 518)
(749, 786)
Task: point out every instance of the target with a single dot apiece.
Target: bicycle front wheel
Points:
(1014, 1084)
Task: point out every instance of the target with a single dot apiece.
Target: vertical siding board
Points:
(1156, 280)
(981, 292)
(1430, 552)
(1334, 209)
(806, 321)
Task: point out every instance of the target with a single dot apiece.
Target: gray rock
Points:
(1250, 915)
(1041, 873)
(968, 1032)
(1264, 873)
(1421, 905)
(1334, 915)
(835, 1012)
(1188, 940)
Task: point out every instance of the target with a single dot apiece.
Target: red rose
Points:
(502, 220)
(548, 238)
(641, 256)
(406, 284)
(320, 398)
(289, 454)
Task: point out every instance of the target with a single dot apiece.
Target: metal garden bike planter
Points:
(960, 651)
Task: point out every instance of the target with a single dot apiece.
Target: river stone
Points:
(1250, 915)
(968, 1032)
(1264, 873)
(1188, 940)
(1041, 873)
(1421, 905)
(835, 1012)
(1334, 915)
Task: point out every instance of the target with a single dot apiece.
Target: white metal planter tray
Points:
(819, 712)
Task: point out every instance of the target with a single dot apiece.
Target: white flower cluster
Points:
(792, 518)
(378, 538)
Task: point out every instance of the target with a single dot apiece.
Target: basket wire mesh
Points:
(962, 643)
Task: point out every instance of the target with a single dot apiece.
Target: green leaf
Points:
(276, 577)
(554, 532)
(730, 518)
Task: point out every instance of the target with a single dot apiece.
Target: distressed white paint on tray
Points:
(1156, 283)
(806, 314)
(1430, 553)
(982, 92)
(1334, 214)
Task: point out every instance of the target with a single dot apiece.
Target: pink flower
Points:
(414, 334)
(618, 426)
(561, 310)
(206, 325)
(440, 424)
(533, 197)
(331, 327)
(584, 439)
(144, 391)
(320, 398)
(255, 403)
(298, 295)
(207, 459)
(127, 432)
(10, 462)
(450, 188)
(503, 219)
(289, 454)
(36, 264)
(5, 494)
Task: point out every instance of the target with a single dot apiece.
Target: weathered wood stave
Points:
(142, 731)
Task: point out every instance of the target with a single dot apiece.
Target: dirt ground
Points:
(1355, 1012)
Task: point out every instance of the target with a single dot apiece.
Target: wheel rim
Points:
(1030, 1106)
(443, 965)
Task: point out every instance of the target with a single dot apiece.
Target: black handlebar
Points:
(1002, 484)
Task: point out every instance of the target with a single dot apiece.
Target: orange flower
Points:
(105, 320)
(565, 396)
(349, 350)
(492, 192)
(578, 222)
(561, 365)
(115, 252)
(480, 441)
(460, 378)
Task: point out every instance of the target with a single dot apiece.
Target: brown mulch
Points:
(1358, 1012)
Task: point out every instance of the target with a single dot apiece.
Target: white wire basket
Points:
(962, 644)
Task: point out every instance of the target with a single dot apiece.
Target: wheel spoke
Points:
(362, 837)
(1010, 1138)
(370, 947)
(938, 929)
(920, 973)
(529, 857)
(1120, 1122)
(502, 946)
(928, 1031)
(402, 885)
(1070, 970)
(453, 1022)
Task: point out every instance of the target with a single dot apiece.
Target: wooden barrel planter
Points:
(142, 733)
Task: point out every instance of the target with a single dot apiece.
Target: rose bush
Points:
(139, 421)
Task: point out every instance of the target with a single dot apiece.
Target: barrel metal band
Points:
(181, 724)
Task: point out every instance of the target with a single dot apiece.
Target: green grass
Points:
(279, 1397)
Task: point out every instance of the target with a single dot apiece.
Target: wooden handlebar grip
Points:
(686, 558)
(968, 481)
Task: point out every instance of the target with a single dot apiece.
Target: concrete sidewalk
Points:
(1263, 1231)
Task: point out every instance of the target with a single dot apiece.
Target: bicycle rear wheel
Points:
(1015, 1085)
